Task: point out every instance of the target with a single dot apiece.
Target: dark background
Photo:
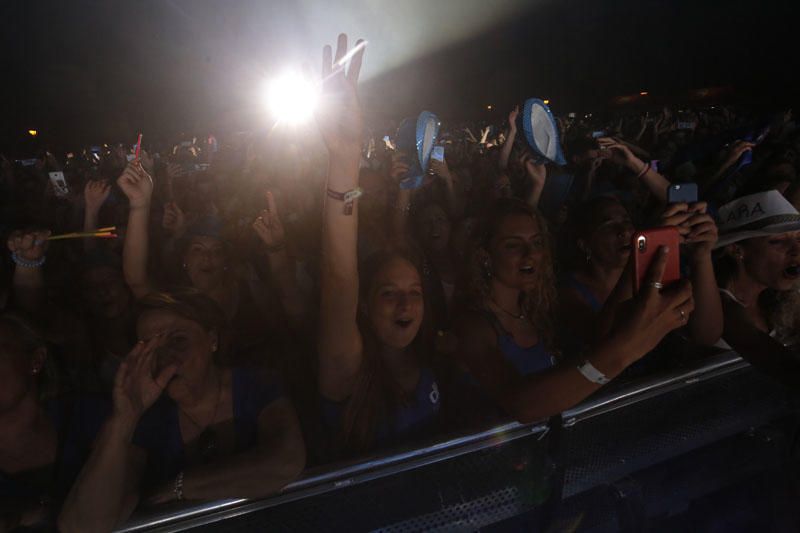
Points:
(90, 71)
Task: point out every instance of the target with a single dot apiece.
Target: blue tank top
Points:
(159, 431)
(585, 292)
(526, 361)
(411, 420)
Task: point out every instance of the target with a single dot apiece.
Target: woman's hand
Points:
(137, 384)
(696, 227)
(536, 171)
(512, 119)
(28, 245)
(621, 154)
(136, 184)
(736, 150)
(399, 167)
(654, 312)
(339, 114)
(441, 169)
(174, 221)
(95, 194)
(268, 225)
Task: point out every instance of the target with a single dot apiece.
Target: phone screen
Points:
(438, 153)
(59, 183)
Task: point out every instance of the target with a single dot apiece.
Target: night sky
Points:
(99, 71)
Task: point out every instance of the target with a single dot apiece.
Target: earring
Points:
(487, 269)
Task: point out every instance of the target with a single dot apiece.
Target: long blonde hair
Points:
(538, 303)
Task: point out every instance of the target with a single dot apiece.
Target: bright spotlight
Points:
(33, 133)
(292, 98)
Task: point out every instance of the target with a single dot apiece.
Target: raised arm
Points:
(138, 187)
(269, 228)
(341, 124)
(537, 175)
(505, 152)
(699, 233)
(94, 195)
(651, 315)
(28, 254)
(107, 489)
(655, 182)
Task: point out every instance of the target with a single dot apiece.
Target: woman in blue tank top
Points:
(506, 341)
(184, 426)
(373, 378)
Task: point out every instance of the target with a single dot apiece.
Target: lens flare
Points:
(291, 98)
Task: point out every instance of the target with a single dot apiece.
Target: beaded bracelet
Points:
(178, 488)
(19, 261)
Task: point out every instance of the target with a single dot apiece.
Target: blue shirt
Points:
(408, 421)
(159, 431)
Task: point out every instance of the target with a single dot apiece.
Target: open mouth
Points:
(792, 272)
(527, 270)
(404, 322)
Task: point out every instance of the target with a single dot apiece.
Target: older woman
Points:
(183, 426)
(760, 237)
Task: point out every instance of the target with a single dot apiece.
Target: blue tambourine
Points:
(541, 131)
(417, 138)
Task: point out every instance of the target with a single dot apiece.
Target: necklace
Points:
(207, 440)
(520, 316)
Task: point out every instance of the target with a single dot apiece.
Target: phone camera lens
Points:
(641, 243)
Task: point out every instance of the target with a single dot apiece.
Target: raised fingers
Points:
(355, 63)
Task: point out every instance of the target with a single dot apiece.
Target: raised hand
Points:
(441, 169)
(736, 150)
(696, 227)
(537, 171)
(95, 194)
(174, 221)
(621, 154)
(399, 167)
(512, 119)
(174, 170)
(654, 312)
(138, 384)
(268, 225)
(28, 245)
(339, 115)
(136, 184)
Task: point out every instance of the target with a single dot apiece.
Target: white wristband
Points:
(588, 371)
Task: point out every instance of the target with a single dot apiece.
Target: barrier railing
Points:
(326, 480)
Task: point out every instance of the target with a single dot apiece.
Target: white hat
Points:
(756, 215)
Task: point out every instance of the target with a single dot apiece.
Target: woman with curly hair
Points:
(506, 339)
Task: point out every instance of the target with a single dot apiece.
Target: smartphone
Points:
(645, 245)
(571, 115)
(682, 193)
(599, 133)
(59, 183)
(27, 162)
(438, 153)
(685, 125)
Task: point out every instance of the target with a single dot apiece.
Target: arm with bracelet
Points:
(341, 124)
(529, 398)
(28, 255)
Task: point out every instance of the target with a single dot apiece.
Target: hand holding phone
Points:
(682, 193)
(646, 244)
(438, 154)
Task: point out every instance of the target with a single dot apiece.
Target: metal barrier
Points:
(473, 480)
